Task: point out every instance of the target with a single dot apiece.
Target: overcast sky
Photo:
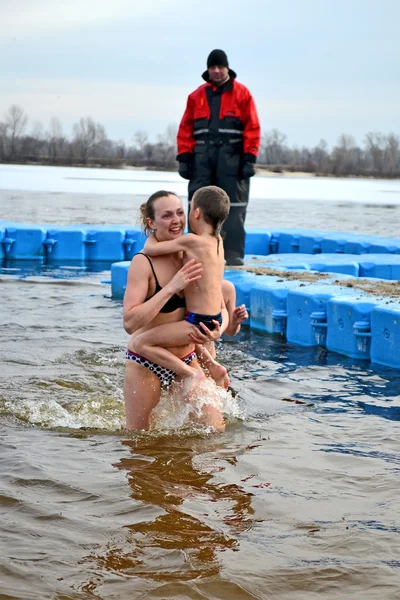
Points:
(316, 68)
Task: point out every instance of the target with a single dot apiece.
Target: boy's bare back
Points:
(204, 296)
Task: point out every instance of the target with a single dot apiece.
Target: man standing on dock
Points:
(218, 142)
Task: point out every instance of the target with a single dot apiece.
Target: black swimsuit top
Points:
(174, 302)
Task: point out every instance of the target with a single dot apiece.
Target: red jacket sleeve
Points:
(185, 137)
(252, 130)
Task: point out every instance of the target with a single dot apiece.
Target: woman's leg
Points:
(142, 390)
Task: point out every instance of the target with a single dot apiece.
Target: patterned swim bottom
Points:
(166, 376)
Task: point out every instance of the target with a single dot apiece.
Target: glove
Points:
(248, 170)
(184, 170)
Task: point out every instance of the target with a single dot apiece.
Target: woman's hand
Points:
(187, 274)
(239, 315)
(208, 336)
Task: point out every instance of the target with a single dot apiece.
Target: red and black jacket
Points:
(238, 120)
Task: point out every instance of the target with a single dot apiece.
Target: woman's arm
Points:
(236, 314)
(136, 312)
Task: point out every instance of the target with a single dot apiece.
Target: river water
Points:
(298, 499)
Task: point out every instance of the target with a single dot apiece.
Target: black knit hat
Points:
(217, 57)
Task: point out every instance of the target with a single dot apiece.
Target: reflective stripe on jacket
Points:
(238, 118)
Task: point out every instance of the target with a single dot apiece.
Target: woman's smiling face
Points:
(169, 218)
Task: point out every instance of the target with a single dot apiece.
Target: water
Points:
(297, 499)
(103, 196)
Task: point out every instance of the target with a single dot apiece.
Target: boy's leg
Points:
(153, 345)
(217, 371)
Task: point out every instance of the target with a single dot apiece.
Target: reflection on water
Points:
(179, 535)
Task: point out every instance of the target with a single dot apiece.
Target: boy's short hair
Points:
(214, 204)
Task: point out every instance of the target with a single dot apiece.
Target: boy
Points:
(209, 209)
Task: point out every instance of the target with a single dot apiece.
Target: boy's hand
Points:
(189, 273)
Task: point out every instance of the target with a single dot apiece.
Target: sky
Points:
(316, 68)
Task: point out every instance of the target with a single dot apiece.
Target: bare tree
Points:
(379, 155)
(102, 146)
(16, 121)
(375, 147)
(88, 137)
(346, 156)
(33, 144)
(55, 140)
(273, 147)
(140, 140)
(320, 157)
(392, 155)
(120, 149)
(3, 140)
(166, 147)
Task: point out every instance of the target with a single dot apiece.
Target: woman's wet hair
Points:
(147, 209)
(214, 204)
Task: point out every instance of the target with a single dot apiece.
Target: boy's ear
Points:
(197, 213)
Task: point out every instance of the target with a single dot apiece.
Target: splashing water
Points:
(206, 409)
(101, 413)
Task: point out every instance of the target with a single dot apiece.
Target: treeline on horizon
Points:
(89, 145)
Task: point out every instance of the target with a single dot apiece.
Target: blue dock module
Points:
(382, 245)
(129, 244)
(385, 335)
(104, 244)
(64, 244)
(306, 310)
(358, 244)
(119, 276)
(243, 282)
(257, 241)
(311, 243)
(268, 303)
(324, 263)
(24, 242)
(2, 243)
(349, 324)
(297, 262)
(334, 242)
(335, 263)
(287, 240)
(382, 266)
(133, 242)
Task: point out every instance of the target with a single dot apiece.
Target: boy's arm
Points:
(154, 248)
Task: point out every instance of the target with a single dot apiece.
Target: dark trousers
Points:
(222, 166)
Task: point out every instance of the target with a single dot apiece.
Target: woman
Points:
(153, 297)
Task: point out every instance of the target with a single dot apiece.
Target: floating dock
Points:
(317, 288)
